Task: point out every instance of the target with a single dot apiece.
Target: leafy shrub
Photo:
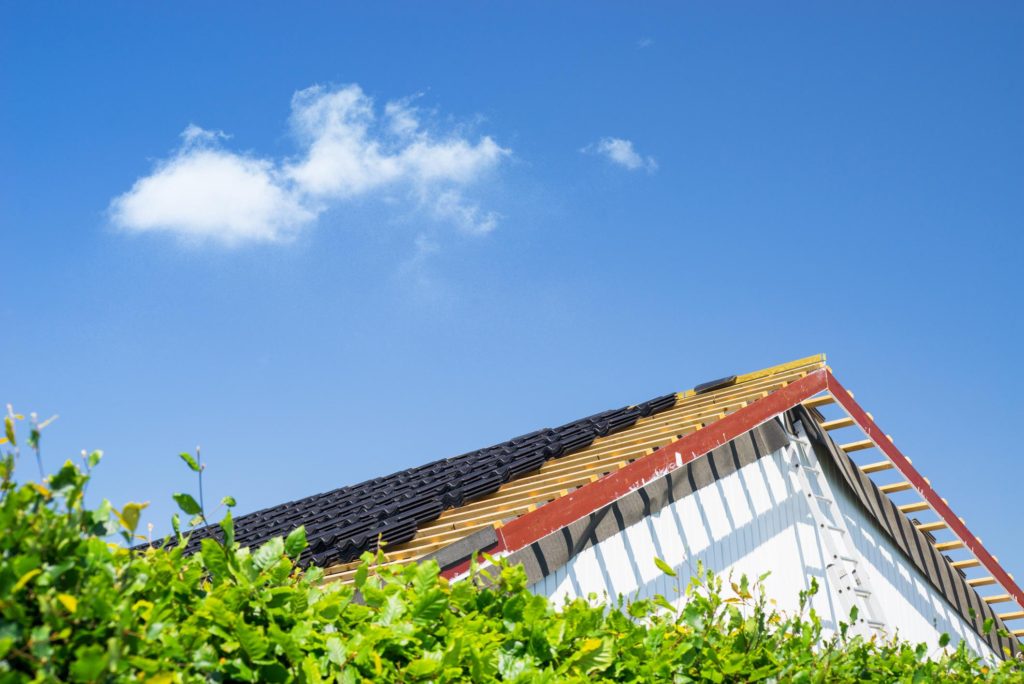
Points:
(75, 606)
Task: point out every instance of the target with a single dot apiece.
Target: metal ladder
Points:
(842, 559)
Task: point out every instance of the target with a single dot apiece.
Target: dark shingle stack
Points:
(343, 523)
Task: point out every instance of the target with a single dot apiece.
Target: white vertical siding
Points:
(751, 522)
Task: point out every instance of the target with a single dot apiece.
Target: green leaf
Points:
(664, 567)
(90, 661)
(268, 554)
(214, 558)
(189, 460)
(944, 640)
(130, 515)
(228, 501)
(254, 644)
(335, 651)
(423, 667)
(296, 542)
(228, 526)
(187, 504)
(94, 458)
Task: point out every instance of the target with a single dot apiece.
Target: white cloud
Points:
(204, 192)
(621, 151)
(207, 192)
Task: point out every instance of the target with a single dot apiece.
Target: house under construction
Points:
(778, 470)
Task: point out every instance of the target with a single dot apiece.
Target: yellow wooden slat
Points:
(1012, 615)
(1018, 632)
(894, 487)
(823, 400)
(998, 598)
(838, 423)
(876, 467)
(915, 507)
(968, 563)
(859, 445)
(949, 546)
(981, 581)
(932, 526)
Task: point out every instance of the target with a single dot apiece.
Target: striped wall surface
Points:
(749, 521)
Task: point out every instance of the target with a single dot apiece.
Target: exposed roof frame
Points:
(530, 527)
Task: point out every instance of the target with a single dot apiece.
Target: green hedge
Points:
(75, 606)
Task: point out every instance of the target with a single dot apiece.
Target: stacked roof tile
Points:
(344, 523)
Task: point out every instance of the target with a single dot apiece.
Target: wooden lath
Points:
(560, 476)
(945, 521)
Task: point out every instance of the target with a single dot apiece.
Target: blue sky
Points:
(328, 243)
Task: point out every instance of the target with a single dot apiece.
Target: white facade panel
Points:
(749, 522)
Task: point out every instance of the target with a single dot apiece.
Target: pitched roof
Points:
(419, 510)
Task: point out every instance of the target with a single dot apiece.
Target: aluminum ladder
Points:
(842, 560)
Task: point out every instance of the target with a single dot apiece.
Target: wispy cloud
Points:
(621, 151)
(644, 43)
(205, 191)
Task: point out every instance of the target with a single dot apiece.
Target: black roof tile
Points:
(343, 523)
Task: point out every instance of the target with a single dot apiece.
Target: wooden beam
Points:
(815, 402)
(876, 467)
(949, 546)
(1012, 615)
(969, 563)
(894, 487)
(998, 598)
(981, 581)
(859, 445)
(914, 507)
(932, 526)
(1018, 632)
(845, 421)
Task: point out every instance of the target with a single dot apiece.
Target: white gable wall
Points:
(749, 522)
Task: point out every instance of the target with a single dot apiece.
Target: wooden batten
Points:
(859, 445)
(998, 598)
(1012, 615)
(876, 467)
(838, 423)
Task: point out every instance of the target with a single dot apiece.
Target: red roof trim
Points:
(532, 527)
(923, 488)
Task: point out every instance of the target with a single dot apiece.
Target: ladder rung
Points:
(845, 421)
(1012, 615)
(894, 487)
(949, 546)
(1018, 632)
(932, 526)
(876, 467)
(859, 445)
(981, 581)
(815, 402)
(914, 507)
(998, 598)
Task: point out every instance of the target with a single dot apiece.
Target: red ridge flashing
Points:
(923, 488)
